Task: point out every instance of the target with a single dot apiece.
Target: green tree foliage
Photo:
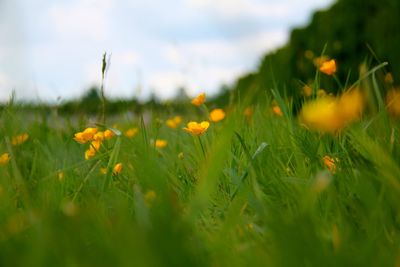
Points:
(354, 31)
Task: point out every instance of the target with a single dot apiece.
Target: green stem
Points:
(202, 147)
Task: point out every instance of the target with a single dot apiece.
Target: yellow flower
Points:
(130, 133)
(248, 112)
(351, 105)
(174, 122)
(181, 155)
(318, 61)
(86, 135)
(329, 114)
(322, 114)
(330, 163)
(96, 145)
(108, 134)
(19, 139)
(277, 110)
(197, 128)
(90, 153)
(389, 78)
(117, 169)
(61, 176)
(160, 143)
(217, 115)
(393, 102)
(199, 100)
(78, 137)
(103, 171)
(99, 136)
(4, 159)
(328, 67)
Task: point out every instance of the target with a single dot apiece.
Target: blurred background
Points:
(52, 50)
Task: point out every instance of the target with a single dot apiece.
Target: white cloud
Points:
(165, 83)
(125, 58)
(81, 19)
(256, 9)
(241, 8)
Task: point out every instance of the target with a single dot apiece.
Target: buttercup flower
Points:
(108, 134)
(389, 78)
(160, 143)
(174, 122)
(351, 105)
(393, 102)
(248, 112)
(318, 61)
(61, 176)
(85, 136)
(322, 114)
(90, 153)
(328, 67)
(130, 133)
(199, 100)
(217, 115)
(4, 159)
(19, 139)
(95, 145)
(117, 169)
(99, 136)
(330, 114)
(277, 110)
(103, 171)
(197, 128)
(330, 163)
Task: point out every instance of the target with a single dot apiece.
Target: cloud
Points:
(125, 58)
(220, 52)
(165, 83)
(241, 8)
(81, 19)
(285, 10)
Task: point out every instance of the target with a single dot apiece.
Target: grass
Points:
(251, 191)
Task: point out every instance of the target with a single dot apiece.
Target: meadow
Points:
(248, 185)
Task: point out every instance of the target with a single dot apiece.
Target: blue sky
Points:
(51, 49)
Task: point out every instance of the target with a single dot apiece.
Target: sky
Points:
(51, 50)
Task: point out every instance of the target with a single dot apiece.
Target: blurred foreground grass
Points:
(254, 189)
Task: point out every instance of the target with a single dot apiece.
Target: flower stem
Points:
(202, 147)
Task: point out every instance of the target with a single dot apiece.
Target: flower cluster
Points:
(198, 128)
(19, 139)
(95, 137)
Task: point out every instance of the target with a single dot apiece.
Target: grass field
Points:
(260, 187)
